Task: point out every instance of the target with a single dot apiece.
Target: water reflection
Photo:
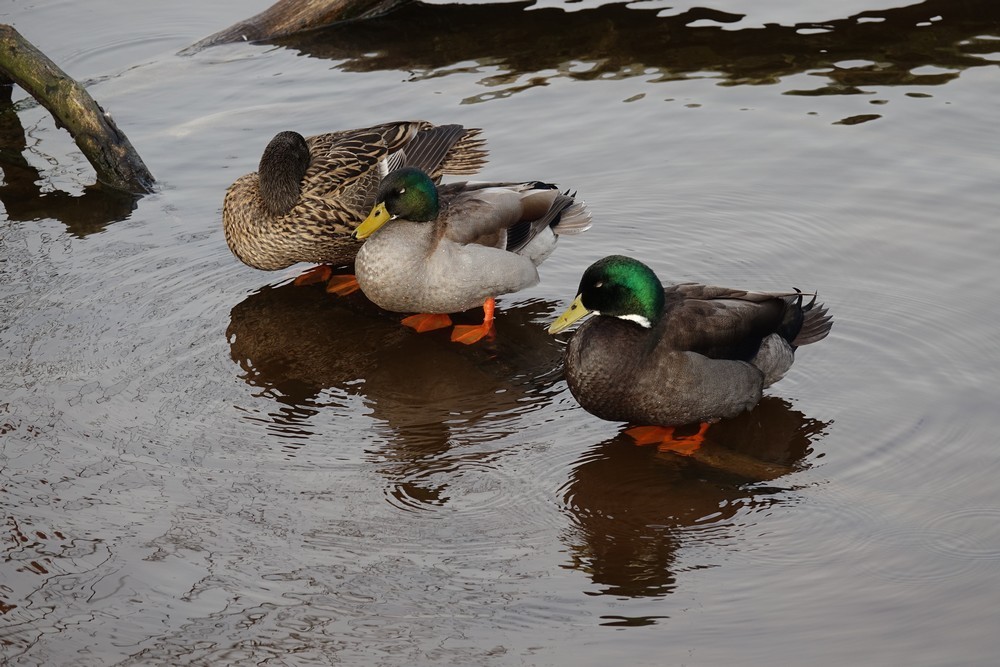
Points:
(522, 48)
(307, 349)
(22, 191)
(42, 565)
(633, 507)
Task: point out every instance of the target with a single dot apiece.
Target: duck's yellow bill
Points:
(575, 312)
(378, 217)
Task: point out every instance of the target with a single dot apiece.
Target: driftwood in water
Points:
(27, 196)
(102, 143)
(287, 17)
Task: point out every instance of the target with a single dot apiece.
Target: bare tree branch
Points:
(102, 143)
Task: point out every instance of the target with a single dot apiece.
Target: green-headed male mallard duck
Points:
(679, 355)
(435, 250)
(308, 194)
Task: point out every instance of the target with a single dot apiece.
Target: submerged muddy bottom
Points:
(202, 464)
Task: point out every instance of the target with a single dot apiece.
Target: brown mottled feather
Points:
(338, 189)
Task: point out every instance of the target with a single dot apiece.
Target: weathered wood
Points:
(27, 196)
(287, 17)
(105, 146)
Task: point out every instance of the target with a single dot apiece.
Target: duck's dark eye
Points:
(599, 284)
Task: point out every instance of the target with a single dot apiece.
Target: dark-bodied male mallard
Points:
(684, 354)
(308, 194)
(434, 250)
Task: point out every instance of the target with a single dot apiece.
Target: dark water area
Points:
(204, 464)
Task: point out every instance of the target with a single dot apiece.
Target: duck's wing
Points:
(346, 163)
(442, 149)
(725, 323)
(349, 164)
(500, 215)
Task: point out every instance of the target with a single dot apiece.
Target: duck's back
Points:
(345, 164)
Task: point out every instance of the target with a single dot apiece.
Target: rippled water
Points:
(202, 464)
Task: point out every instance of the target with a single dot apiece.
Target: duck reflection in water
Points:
(307, 350)
(633, 507)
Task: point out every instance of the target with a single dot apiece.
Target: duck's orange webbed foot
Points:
(667, 440)
(427, 322)
(317, 274)
(473, 333)
(342, 285)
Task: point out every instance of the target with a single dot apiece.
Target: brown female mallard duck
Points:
(308, 194)
(678, 355)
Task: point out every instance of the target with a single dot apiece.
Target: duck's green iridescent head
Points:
(406, 193)
(616, 286)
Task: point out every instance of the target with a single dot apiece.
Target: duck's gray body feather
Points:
(487, 240)
(427, 275)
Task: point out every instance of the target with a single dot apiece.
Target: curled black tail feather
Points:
(816, 323)
(792, 319)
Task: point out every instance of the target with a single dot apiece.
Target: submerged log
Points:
(105, 146)
(287, 17)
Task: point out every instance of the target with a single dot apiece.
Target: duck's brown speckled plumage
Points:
(337, 190)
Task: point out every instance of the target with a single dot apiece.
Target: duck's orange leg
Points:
(666, 440)
(473, 333)
(316, 274)
(342, 284)
(427, 322)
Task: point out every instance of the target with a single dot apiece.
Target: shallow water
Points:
(202, 464)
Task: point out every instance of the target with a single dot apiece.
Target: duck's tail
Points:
(575, 218)
(816, 324)
(800, 325)
(547, 213)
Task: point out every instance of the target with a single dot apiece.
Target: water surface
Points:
(201, 463)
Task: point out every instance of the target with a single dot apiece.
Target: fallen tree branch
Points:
(105, 146)
(287, 17)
